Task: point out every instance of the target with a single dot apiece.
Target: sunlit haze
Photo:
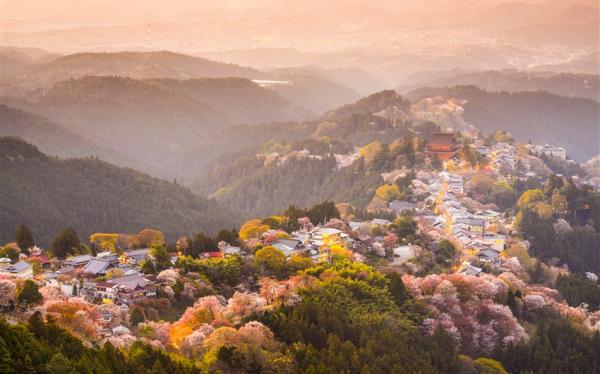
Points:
(452, 33)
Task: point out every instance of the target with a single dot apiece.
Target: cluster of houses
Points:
(21, 269)
(548, 150)
(471, 231)
(313, 242)
(86, 276)
(503, 156)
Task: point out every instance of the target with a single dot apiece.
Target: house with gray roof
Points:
(21, 269)
(77, 261)
(98, 266)
(136, 256)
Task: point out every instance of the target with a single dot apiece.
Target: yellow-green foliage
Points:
(520, 252)
(106, 242)
(388, 192)
(296, 263)
(489, 366)
(503, 185)
(369, 151)
(270, 257)
(529, 197)
(253, 229)
(221, 192)
(281, 220)
(502, 137)
(534, 200)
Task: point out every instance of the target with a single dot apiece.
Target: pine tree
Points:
(5, 359)
(65, 243)
(397, 288)
(29, 294)
(59, 364)
(24, 238)
(136, 316)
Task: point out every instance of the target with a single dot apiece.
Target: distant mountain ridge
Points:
(564, 84)
(153, 120)
(314, 92)
(138, 65)
(239, 99)
(89, 195)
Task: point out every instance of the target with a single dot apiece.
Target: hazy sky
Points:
(111, 10)
(413, 26)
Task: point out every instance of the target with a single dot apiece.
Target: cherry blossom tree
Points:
(390, 240)
(244, 304)
(469, 309)
(8, 293)
(192, 345)
(169, 277)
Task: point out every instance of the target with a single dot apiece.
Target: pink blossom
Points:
(8, 291)
(244, 304)
(168, 277)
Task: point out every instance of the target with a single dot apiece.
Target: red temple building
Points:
(444, 145)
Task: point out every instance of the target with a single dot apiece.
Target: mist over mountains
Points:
(171, 115)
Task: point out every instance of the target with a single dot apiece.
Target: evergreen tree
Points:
(397, 289)
(511, 302)
(5, 359)
(136, 316)
(227, 236)
(29, 294)
(436, 162)
(24, 238)
(148, 267)
(201, 243)
(162, 260)
(60, 365)
(65, 243)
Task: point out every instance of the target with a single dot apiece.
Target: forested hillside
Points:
(154, 120)
(315, 93)
(92, 196)
(239, 99)
(56, 140)
(275, 166)
(537, 116)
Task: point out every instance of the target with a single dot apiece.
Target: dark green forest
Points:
(43, 347)
(89, 195)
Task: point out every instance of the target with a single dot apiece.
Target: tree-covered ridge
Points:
(239, 99)
(374, 103)
(137, 65)
(538, 116)
(54, 139)
(334, 317)
(564, 84)
(93, 196)
(44, 347)
(272, 171)
(153, 120)
(561, 220)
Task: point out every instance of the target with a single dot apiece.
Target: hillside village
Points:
(287, 187)
(442, 222)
